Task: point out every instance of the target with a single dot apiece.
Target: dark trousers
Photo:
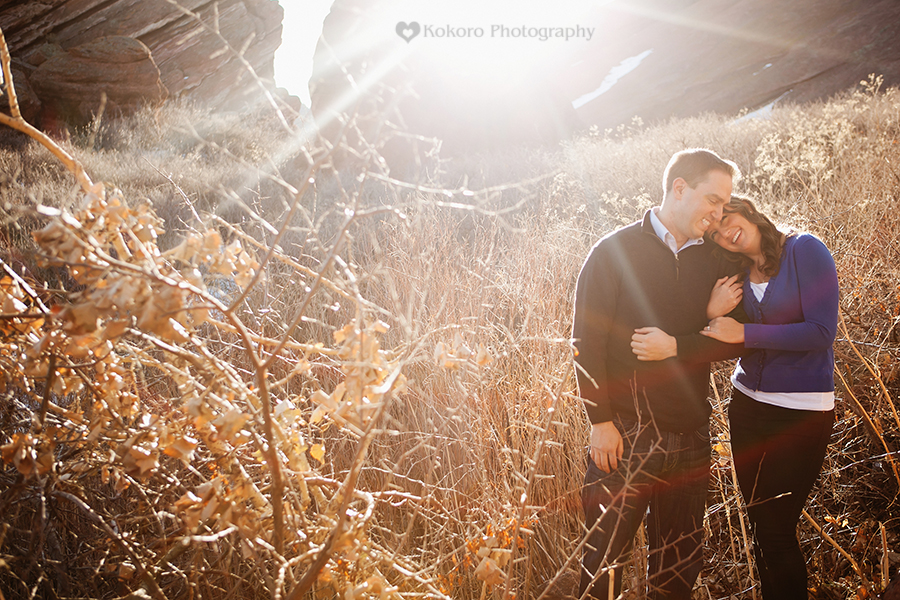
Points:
(667, 472)
(778, 453)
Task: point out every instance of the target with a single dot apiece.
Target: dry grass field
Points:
(229, 374)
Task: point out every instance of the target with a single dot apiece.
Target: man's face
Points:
(699, 208)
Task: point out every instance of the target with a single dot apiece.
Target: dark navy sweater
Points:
(631, 279)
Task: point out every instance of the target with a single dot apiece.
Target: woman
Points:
(782, 409)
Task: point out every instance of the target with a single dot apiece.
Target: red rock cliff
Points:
(69, 51)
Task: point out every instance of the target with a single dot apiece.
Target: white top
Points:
(759, 289)
(818, 401)
(666, 236)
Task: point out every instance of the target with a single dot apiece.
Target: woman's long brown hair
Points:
(772, 240)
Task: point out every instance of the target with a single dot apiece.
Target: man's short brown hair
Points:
(693, 165)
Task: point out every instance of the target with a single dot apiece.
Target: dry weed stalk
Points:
(844, 553)
(726, 453)
(15, 120)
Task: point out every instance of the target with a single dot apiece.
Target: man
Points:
(649, 411)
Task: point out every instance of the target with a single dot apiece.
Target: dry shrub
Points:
(362, 387)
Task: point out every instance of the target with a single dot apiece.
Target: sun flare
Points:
(483, 47)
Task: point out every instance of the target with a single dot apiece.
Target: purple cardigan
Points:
(795, 324)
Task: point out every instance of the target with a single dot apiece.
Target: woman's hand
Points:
(725, 329)
(725, 296)
(652, 343)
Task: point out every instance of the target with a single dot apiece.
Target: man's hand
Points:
(725, 296)
(606, 446)
(725, 329)
(652, 343)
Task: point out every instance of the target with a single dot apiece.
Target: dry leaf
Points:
(488, 571)
(318, 452)
(483, 358)
(182, 448)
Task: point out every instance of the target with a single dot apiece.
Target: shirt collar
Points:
(667, 238)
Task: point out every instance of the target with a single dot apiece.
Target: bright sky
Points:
(294, 59)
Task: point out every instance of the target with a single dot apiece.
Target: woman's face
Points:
(736, 234)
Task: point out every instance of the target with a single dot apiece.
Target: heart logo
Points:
(408, 32)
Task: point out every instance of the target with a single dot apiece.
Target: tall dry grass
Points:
(477, 460)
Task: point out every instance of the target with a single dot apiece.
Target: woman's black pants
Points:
(778, 453)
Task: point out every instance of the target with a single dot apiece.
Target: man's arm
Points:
(652, 343)
(606, 446)
(694, 347)
(595, 308)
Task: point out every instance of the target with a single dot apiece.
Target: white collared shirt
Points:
(667, 238)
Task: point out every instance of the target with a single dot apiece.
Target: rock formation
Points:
(728, 55)
(69, 47)
(73, 83)
(649, 58)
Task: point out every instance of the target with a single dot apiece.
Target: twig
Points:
(345, 493)
(742, 516)
(843, 552)
(526, 494)
(45, 401)
(150, 581)
(7, 76)
(885, 559)
(272, 459)
(95, 126)
(308, 178)
(872, 426)
(18, 123)
(887, 395)
(295, 265)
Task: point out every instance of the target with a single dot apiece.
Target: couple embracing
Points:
(703, 277)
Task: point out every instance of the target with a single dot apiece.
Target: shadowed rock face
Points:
(650, 58)
(189, 59)
(71, 83)
(726, 55)
(29, 105)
